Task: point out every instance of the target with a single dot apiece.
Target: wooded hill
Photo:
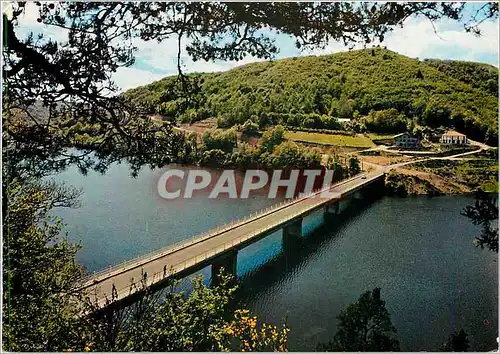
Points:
(312, 91)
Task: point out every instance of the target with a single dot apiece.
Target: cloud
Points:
(448, 41)
(162, 58)
(27, 22)
(126, 78)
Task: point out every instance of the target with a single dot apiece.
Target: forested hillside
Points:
(480, 75)
(313, 91)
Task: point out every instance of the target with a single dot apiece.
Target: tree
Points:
(250, 127)
(272, 138)
(219, 139)
(38, 266)
(354, 167)
(339, 170)
(289, 155)
(175, 321)
(364, 325)
(71, 78)
(484, 212)
(344, 108)
(457, 342)
(385, 121)
(61, 107)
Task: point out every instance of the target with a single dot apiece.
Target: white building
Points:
(405, 140)
(452, 137)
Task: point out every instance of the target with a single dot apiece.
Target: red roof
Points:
(453, 133)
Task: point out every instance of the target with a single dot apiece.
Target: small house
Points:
(452, 137)
(405, 140)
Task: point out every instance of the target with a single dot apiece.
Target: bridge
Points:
(219, 247)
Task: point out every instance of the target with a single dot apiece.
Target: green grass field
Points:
(359, 140)
(375, 136)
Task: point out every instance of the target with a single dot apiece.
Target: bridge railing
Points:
(158, 253)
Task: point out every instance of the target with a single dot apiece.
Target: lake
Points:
(419, 251)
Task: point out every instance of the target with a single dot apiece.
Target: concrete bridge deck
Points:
(183, 259)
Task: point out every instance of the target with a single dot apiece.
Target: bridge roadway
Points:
(177, 261)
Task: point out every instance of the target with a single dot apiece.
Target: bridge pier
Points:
(331, 210)
(357, 194)
(293, 229)
(228, 261)
(375, 190)
(291, 235)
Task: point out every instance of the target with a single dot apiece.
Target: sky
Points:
(416, 39)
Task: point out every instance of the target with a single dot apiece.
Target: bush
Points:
(219, 139)
(249, 128)
(214, 158)
(385, 121)
(247, 156)
(291, 155)
(272, 137)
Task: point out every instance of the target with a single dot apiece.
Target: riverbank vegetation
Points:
(365, 326)
(473, 173)
(404, 184)
(220, 148)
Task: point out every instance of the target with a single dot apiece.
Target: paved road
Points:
(385, 148)
(119, 280)
(451, 158)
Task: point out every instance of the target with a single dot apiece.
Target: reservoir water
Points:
(419, 251)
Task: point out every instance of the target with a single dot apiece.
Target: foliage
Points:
(201, 321)
(364, 325)
(273, 151)
(60, 107)
(272, 138)
(476, 74)
(43, 312)
(225, 140)
(249, 337)
(402, 185)
(484, 212)
(291, 155)
(38, 266)
(385, 121)
(354, 167)
(249, 128)
(476, 174)
(340, 171)
(190, 115)
(214, 158)
(71, 77)
(187, 149)
(247, 156)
